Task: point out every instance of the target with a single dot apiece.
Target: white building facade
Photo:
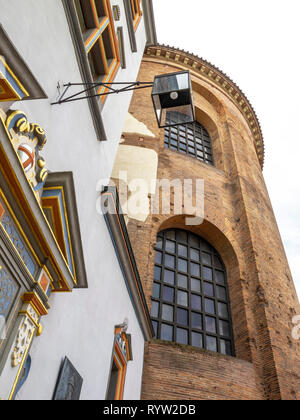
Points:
(73, 315)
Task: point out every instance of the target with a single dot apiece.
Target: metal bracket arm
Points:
(87, 92)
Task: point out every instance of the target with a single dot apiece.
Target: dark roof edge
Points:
(149, 22)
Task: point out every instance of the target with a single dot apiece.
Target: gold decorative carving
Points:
(26, 330)
(28, 140)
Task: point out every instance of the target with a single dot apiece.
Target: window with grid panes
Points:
(190, 303)
(136, 12)
(96, 21)
(191, 139)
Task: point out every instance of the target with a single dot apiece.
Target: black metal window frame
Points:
(212, 292)
(191, 139)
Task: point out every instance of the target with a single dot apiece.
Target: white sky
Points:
(256, 43)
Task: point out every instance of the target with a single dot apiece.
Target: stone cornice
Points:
(221, 80)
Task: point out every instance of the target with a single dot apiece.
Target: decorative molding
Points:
(148, 14)
(11, 89)
(204, 69)
(27, 328)
(123, 340)
(16, 236)
(28, 140)
(121, 47)
(54, 205)
(130, 26)
(116, 12)
(84, 66)
(122, 354)
(30, 215)
(8, 292)
(59, 205)
(44, 282)
(114, 218)
(19, 75)
(35, 302)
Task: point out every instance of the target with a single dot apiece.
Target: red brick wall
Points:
(176, 372)
(240, 224)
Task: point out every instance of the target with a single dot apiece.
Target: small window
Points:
(80, 15)
(100, 41)
(135, 12)
(121, 356)
(121, 47)
(113, 382)
(191, 139)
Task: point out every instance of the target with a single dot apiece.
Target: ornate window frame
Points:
(31, 256)
(120, 37)
(122, 354)
(16, 80)
(100, 42)
(136, 12)
(130, 24)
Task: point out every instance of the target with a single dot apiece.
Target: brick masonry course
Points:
(240, 224)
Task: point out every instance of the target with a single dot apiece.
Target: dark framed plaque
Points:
(69, 382)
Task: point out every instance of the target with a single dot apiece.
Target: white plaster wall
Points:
(132, 125)
(140, 179)
(80, 325)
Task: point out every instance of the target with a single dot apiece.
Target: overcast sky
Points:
(257, 45)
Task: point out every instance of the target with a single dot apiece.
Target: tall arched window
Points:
(191, 139)
(190, 303)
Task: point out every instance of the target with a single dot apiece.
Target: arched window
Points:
(190, 303)
(191, 139)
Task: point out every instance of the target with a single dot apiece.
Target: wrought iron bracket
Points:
(87, 92)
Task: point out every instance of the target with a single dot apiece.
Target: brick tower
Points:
(221, 294)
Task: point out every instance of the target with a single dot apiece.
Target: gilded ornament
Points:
(23, 339)
(28, 140)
